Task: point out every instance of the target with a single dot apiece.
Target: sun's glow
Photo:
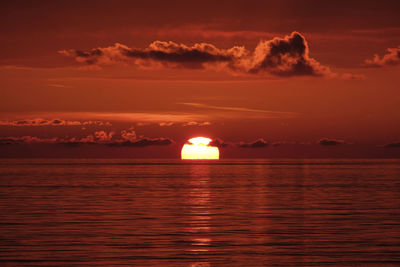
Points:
(198, 148)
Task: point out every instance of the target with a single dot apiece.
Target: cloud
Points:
(128, 135)
(287, 56)
(391, 58)
(58, 85)
(169, 54)
(75, 141)
(177, 118)
(352, 76)
(330, 142)
(97, 123)
(102, 136)
(140, 117)
(129, 138)
(218, 143)
(393, 145)
(125, 138)
(143, 142)
(17, 140)
(265, 113)
(277, 143)
(259, 143)
(195, 123)
(98, 137)
(165, 124)
(51, 122)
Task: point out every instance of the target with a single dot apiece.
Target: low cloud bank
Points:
(125, 138)
(393, 145)
(51, 122)
(330, 142)
(259, 143)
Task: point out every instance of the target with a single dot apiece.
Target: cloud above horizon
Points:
(263, 113)
(391, 58)
(124, 138)
(19, 140)
(51, 122)
(218, 142)
(259, 143)
(393, 145)
(287, 56)
(330, 142)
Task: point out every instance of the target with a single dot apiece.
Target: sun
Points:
(198, 148)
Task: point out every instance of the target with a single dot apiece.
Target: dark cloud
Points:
(330, 142)
(143, 142)
(18, 140)
(10, 141)
(51, 122)
(393, 145)
(57, 122)
(76, 141)
(277, 143)
(98, 137)
(125, 138)
(391, 58)
(169, 54)
(259, 143)
(288, 56)
(190, 57)
(218, 143)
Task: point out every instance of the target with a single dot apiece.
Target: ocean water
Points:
(216, 213)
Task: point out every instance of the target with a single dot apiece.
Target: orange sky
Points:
(293, 73)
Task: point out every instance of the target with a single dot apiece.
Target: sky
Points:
(260, 78)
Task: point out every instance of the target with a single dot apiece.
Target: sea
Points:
(258, 212)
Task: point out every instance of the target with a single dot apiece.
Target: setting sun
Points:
(198, 148)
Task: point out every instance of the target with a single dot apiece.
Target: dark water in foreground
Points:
(225, 213)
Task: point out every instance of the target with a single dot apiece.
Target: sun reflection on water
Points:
(199, 215)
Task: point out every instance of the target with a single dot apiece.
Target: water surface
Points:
(218, 213)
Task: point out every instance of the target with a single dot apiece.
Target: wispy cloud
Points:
(391, 58)
(196, 114)
(146, 117)
(59, 85)
(99, 118)
(36, 122)
(220, 32)
(195, 123)
(265, 113)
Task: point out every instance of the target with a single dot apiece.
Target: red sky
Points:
(81, 78)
